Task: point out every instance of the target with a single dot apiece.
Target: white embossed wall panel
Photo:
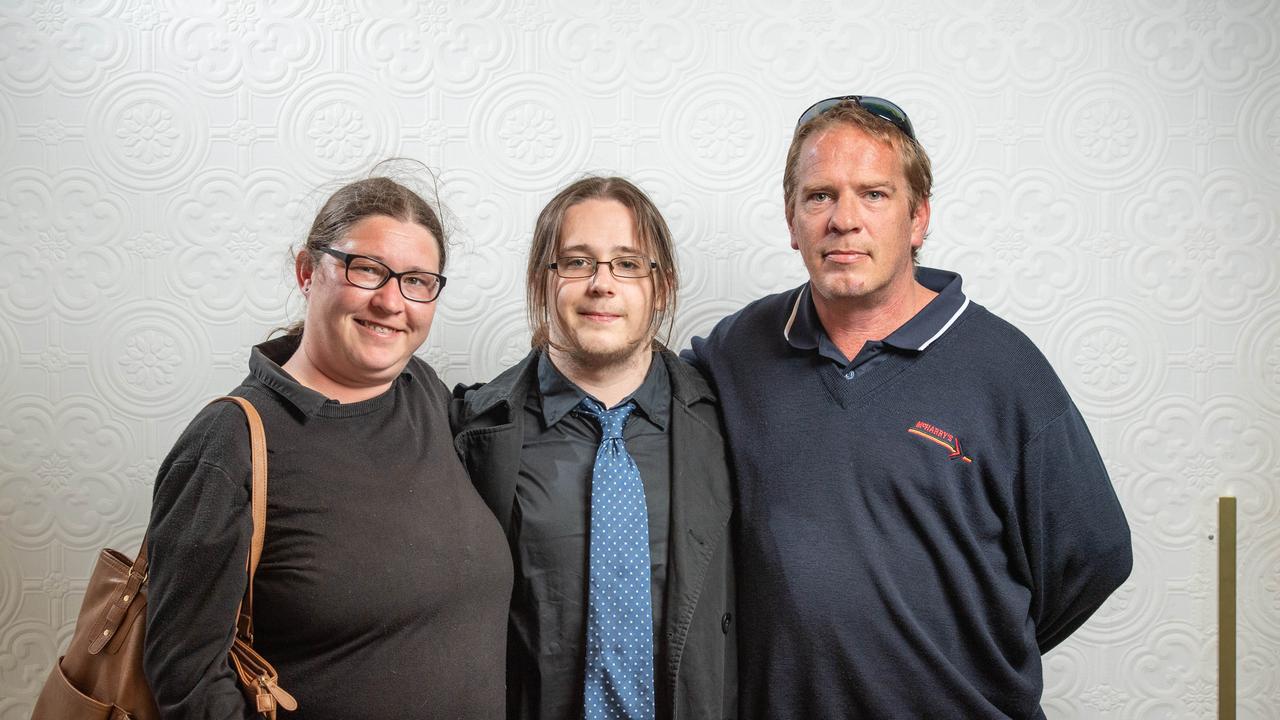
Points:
(1108, 178)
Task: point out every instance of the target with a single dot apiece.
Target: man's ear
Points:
(920, 223)
(791, 226)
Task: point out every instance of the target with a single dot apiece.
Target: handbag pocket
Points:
(60, 700)
(258, 680)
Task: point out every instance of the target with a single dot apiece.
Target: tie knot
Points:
(610, 421)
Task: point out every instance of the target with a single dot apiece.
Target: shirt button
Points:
(725, 622)
(849, 375)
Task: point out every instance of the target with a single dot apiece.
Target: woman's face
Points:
(363, 338)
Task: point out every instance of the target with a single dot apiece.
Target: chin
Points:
(600, 354)
(837, 291)
(383, 368)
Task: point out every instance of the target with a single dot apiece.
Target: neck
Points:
(851, 322)
(309, 375)
(608, 382)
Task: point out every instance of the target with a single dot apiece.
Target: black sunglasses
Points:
(879, 107)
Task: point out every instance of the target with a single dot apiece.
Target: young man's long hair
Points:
(654, 239)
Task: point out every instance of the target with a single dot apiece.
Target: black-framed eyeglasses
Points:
(881, 108)
(369, 274)
(627, 266)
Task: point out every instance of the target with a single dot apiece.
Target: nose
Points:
(388, 297)
(846, 216)
(602, 283)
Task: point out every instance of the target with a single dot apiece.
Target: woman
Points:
(384, 581)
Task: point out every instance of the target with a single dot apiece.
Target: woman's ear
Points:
(303, 268)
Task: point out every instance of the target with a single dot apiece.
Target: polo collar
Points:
(266, 364)
(804, 330)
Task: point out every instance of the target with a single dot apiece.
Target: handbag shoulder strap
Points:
(258, 457)
(138, 572)
(258, 499)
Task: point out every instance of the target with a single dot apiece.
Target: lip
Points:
(369, 325)
(600, 317)
(845, 257)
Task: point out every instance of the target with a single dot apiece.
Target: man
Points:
(623, 598)
(922, 510)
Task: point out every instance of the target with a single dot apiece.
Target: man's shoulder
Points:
(985, 334)
(991, 353)
(770, 309)
(753, 321)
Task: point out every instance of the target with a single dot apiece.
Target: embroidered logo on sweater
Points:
(935, 434)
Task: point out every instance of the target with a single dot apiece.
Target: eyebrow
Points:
(886, 183)
(383, 260)
(621, 250)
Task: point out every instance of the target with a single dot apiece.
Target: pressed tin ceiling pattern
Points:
(1107, 179)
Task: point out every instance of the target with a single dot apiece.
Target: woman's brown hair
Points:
(361, 199)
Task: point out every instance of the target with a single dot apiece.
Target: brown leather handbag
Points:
(100, 677)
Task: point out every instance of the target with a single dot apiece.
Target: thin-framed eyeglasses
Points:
(368, 274)
(626, 266)
(881, 108)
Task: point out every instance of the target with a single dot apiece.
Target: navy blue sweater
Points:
(912, 541)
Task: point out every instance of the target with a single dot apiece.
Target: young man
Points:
(602, 457)
(922, 510)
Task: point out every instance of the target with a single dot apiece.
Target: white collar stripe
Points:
(795, 309)
(946, 325)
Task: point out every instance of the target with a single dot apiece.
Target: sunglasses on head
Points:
(879, 107)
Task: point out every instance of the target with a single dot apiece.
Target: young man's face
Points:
(851, 218)
(603, 319)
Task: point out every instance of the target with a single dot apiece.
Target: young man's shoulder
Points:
(477, 399)
(689, 385)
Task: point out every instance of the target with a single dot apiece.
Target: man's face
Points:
(600, 320)
(851, 219)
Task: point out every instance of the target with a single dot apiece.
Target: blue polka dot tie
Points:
(619, 677)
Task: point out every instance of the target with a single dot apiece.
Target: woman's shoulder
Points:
(217, 437)
(425, 377)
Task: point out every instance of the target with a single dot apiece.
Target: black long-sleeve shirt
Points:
(384, 580)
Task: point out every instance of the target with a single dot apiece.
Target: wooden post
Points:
(1226, 608)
